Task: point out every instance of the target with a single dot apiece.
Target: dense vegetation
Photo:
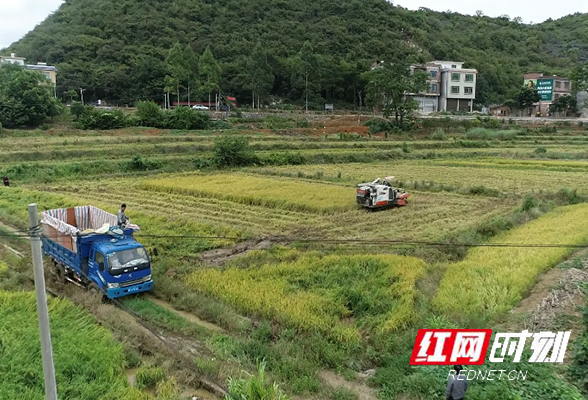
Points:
(88, 362)
(120, 51)
(25, 98)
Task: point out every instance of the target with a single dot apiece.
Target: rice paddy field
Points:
(336, 287)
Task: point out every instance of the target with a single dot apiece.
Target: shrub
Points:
(219, 125)
(139, 163)
(233, 151)
(150, 114)
(378, 125)
(254, 387)
(540, 150)
(283, 158)
(45, 127)
(185, 118)
(92, 118)
(439, 134)
(149, 377)
(77, 109)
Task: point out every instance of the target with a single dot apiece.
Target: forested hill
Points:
(116, 49)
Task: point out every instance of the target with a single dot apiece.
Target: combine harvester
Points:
(90, 250)
(380, 194)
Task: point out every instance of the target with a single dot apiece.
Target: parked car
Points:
(199, 107)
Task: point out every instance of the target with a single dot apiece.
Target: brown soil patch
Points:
(363, 391)
(222, 256)
(190, 317)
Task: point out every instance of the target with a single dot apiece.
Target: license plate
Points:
(133, 289)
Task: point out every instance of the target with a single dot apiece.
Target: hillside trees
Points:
(305, 72)
(177, 68)
(210, 73)
(25, 97)
(117, 49)
(259, 75)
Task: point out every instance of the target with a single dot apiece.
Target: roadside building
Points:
(450, 87)
(49, 71)
(550, 87)
(429, 100)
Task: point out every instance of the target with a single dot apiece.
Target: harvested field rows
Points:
(287, 194)
(505, 180)
(428, 215)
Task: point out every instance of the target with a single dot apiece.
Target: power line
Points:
(363, 242)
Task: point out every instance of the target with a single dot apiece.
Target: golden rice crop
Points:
(506, 180)
(313, 292)
(286, 194)
(490, 280)
(507, 163)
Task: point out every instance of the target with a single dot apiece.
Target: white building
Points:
(49, 71)
(458, 86)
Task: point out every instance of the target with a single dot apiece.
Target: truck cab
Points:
(89, 249)
(121, 266)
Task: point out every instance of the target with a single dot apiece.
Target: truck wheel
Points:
(95, 291)
(60, 273)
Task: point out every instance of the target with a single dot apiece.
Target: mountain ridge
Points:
(116, 49)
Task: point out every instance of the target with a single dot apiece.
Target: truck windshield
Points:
(129, 260)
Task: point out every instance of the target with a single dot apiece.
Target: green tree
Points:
(25, 97)
(305, 71)
(232, 151)
(191, 63)
(176, 68)
(260, 76)
(210, 73)
(526, 97)
(70, 95)
(389, 88)
(564, 104)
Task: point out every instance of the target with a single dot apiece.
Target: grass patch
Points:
(88, 362)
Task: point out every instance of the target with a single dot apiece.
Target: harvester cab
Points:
(380, 194)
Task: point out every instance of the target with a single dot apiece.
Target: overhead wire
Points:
(347, 242)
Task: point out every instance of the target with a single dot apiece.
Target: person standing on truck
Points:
(122, 218)
(457, 385)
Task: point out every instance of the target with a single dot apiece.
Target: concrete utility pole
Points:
(82, 95)
(46, 350)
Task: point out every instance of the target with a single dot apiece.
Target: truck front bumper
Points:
(114, 293)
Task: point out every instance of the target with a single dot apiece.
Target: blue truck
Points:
(89, 249)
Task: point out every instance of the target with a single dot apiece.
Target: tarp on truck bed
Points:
(63, 224)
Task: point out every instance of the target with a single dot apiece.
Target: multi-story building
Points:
(429, 99)
(450, 87)
(550, 87)
(48, 70)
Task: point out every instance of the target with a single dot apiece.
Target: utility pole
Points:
(46, 351)
(82, 95)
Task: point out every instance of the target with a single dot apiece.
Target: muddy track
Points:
(150, 340)
(220, 257)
